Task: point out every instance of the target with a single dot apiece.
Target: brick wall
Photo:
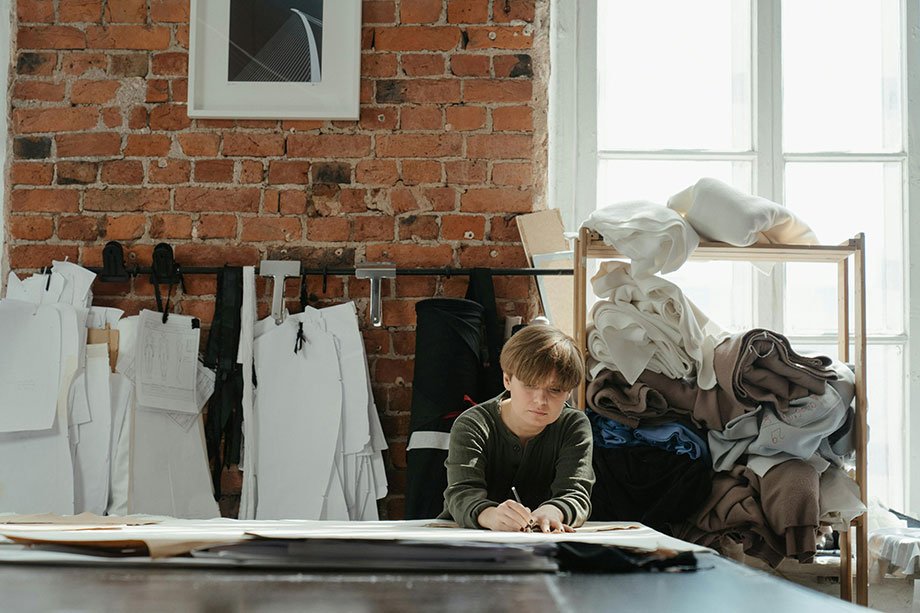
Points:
(451, 145)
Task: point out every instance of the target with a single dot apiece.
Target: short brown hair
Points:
(539, 352)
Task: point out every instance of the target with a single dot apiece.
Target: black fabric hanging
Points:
(225, 409)
(446, 381)
(482, 291)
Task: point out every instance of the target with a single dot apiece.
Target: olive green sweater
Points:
(485, 459)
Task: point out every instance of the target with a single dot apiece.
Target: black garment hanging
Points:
(448, 367)
(482, 291)
(225, 408)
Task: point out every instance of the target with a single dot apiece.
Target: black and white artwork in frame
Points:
(276, 40)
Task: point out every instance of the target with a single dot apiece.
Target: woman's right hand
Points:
(509, 516)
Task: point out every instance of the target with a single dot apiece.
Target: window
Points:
(800, 101)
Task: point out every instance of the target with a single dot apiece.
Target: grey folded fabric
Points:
(759, 366)
(610, 395)
(711, 409)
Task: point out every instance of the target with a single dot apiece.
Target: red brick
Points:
(69, 173)
(433, 90)
(169, 117)
(491, 90)
(36, 64)
(410, 255)
(182, 36)
(25, 173)
(265, 229)
(126, 200)
(466, 172)
(397, 455)
(38, 90)
(519, 10)
(378, 64)
(329, 146)
(137, 118)
(157, 90)
(168, 171)
(251, 171)
(50, 37)
(171, 64)
(125, 227)
(199, 144)
(441, 198)
(422, 65)
(377, 172)
(413, 287)
(88, 144)
(246, 144)
(463, 227)
(470, 65)
(178, 89)
(496, 200)
(37, 256)
(148, 145)
(80, 11)
(111, 117)
(35, 11)
(417, 38)
(328, 229)
(507, 37)
(216, 226)
(512, 66)
(388, 370)
(93, 92)
(169, 11)
(378, 11)
(213, 171)
(421, 118)
(466, 117)
(372, 228)
(499, 146)
(301, 125)
(170, 226)
(415, 172)
(26, 121)
(420, 11)
(126, 11)
(400, 312)
(503, 228)
(79, 228)
(379, 118)
(468, 11)
(285, 172)
(78, 64)
(486, 256)
(31, 228)
(122, 172)
(418, 227)
(292, 203)
(419, 145)
(230, 200)
(127, 37)
(512, 174)
(512, 118)
(129, 64)
(217, 255)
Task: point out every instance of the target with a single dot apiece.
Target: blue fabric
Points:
(673, 437)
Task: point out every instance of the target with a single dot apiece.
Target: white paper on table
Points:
(30, 367)
(166, 359)
(30, 458)
(35, 289)
(92, 453)
(78, 282)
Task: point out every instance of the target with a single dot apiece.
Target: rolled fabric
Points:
(712, 409)
(647, 322)
(719, 212)
(610, 395)
(652, 236)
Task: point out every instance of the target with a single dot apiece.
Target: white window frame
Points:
(573, 159)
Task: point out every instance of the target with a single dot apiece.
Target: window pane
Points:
(674, 74)
(885, 388)
(839, 200)
(841, 75)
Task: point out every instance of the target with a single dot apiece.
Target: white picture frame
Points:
(256, 80)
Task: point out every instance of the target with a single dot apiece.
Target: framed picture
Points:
(274, 59)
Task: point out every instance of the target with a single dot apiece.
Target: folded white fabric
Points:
(719, 212)
(653, 236)
(647, 322)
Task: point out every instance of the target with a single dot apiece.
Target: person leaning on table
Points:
(527, 438)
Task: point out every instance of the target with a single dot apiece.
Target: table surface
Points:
(721, 585)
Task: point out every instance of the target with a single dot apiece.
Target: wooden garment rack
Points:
(588, 244)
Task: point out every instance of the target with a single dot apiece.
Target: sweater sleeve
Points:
(466, 495)
(571, 487)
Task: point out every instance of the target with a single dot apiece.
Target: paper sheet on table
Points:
(166, 361)
(78, 282)
(36, 289)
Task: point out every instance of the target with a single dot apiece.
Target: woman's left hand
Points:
(548, 518)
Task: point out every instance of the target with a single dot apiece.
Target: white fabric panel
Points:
(122, 394)
(92, 452)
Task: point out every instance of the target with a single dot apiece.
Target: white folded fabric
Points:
(647, 322)
(719, 212)
(652, 236)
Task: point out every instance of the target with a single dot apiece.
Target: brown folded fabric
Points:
(760, 367)
(611, 396)
(789, 496)
(709, 408)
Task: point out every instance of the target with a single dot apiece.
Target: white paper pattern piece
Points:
(166, 362)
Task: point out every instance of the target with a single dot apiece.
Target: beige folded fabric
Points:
(711, 408)
(610, 395)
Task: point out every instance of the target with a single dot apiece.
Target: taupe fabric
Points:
(789, 496)
(610, 395)
(709, 408)
(759, 366)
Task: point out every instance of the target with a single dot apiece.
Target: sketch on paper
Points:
(276, 40)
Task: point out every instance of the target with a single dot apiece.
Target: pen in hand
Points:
(518, 499)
